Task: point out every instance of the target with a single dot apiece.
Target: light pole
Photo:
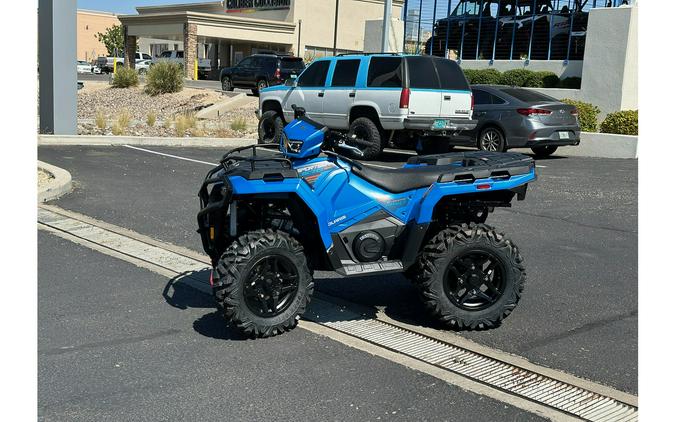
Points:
(386, 22)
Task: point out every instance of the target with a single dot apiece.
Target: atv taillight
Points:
(472, 101)
(405, 98)
(533, 111)
(277, 73)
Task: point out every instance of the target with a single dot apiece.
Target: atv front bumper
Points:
(215, 197)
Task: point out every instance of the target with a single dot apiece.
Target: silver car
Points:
(512, 117)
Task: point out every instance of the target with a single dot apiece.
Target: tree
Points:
(113, 38)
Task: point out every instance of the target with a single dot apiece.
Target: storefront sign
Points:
(248, 6)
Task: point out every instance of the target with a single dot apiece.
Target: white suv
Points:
(380, 98)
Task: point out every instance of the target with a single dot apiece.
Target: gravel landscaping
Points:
(43, 177)
(100, 99)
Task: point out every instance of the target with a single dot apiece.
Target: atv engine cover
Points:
(368, 246)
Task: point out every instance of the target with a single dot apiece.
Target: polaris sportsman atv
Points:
(268, 220)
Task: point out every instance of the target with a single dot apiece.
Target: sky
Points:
(126, 6)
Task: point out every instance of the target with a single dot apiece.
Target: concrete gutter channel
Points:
(596, 145)
(512, 379)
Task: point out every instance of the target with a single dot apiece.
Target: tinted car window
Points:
(246, 62)
(295, 63)
(526, 95)
(345, 72)
(315, 74)
(497, 100)
(451, 75)
(179, 54)
(385, 72)
(481, 97)
(422, 73)
(166, 54)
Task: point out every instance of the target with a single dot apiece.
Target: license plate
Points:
(564, 135)
(439, 124)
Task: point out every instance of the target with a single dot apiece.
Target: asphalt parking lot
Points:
(577, 230)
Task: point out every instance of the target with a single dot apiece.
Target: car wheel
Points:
(491, 139)
(226, 83)
(544, 151)
(368, 138)
(264, 283)
(270, 127)
(470, 276)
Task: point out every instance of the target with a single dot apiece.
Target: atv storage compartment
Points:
(472, 165)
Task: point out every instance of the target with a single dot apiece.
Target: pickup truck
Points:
(177, 56)
(420, 101)
(106, 63)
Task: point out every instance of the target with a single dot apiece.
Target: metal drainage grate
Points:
(509, 378)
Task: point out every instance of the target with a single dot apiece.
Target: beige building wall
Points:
(89, 23)
(318, 21)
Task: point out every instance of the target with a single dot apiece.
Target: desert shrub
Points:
(151, 119)
(482, 76)
(238, 124)
(543, 79)
(223, 132)
(101, 121)
(516, 77)
(125, 77)
(588, 114)
(184, 122)
(573, 82)
(164, 77)
(122, 123)
(623, 122)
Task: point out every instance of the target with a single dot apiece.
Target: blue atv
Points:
(269, 219)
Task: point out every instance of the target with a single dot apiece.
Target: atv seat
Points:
(400, 179)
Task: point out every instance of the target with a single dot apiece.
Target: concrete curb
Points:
(214, 111)
(603, 145)
(61, 184)
(144, 141)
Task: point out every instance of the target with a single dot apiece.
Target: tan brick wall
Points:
(88, 24)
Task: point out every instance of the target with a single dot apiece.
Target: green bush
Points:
(543, 79)
(572, 82)
(588, 114)
(516, 77)
(125, 77)
(623, 122)
(482, 76)
(164, 77)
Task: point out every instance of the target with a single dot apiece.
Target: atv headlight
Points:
(292, 146)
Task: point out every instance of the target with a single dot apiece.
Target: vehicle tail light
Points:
(533, 111)
(405, 98)
(471, 101)
(277, 73)
(574, 112)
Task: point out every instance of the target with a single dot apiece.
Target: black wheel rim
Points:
(262, 85)
(226, 84)
(271, 285)
(474, 280)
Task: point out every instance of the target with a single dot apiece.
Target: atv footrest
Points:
(371, 267)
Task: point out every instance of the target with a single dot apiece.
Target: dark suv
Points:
(260, 71)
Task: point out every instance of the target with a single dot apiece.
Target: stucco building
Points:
(227, 31)
(89, 23)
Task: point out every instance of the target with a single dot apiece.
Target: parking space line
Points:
(170, 155)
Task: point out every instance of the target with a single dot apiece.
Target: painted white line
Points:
(541, 167)
(399, 151)
(170, 155)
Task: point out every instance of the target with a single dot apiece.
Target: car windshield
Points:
(294, 63)
(527, 95)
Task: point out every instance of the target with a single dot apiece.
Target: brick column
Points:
(189, 48)
(129, 49)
